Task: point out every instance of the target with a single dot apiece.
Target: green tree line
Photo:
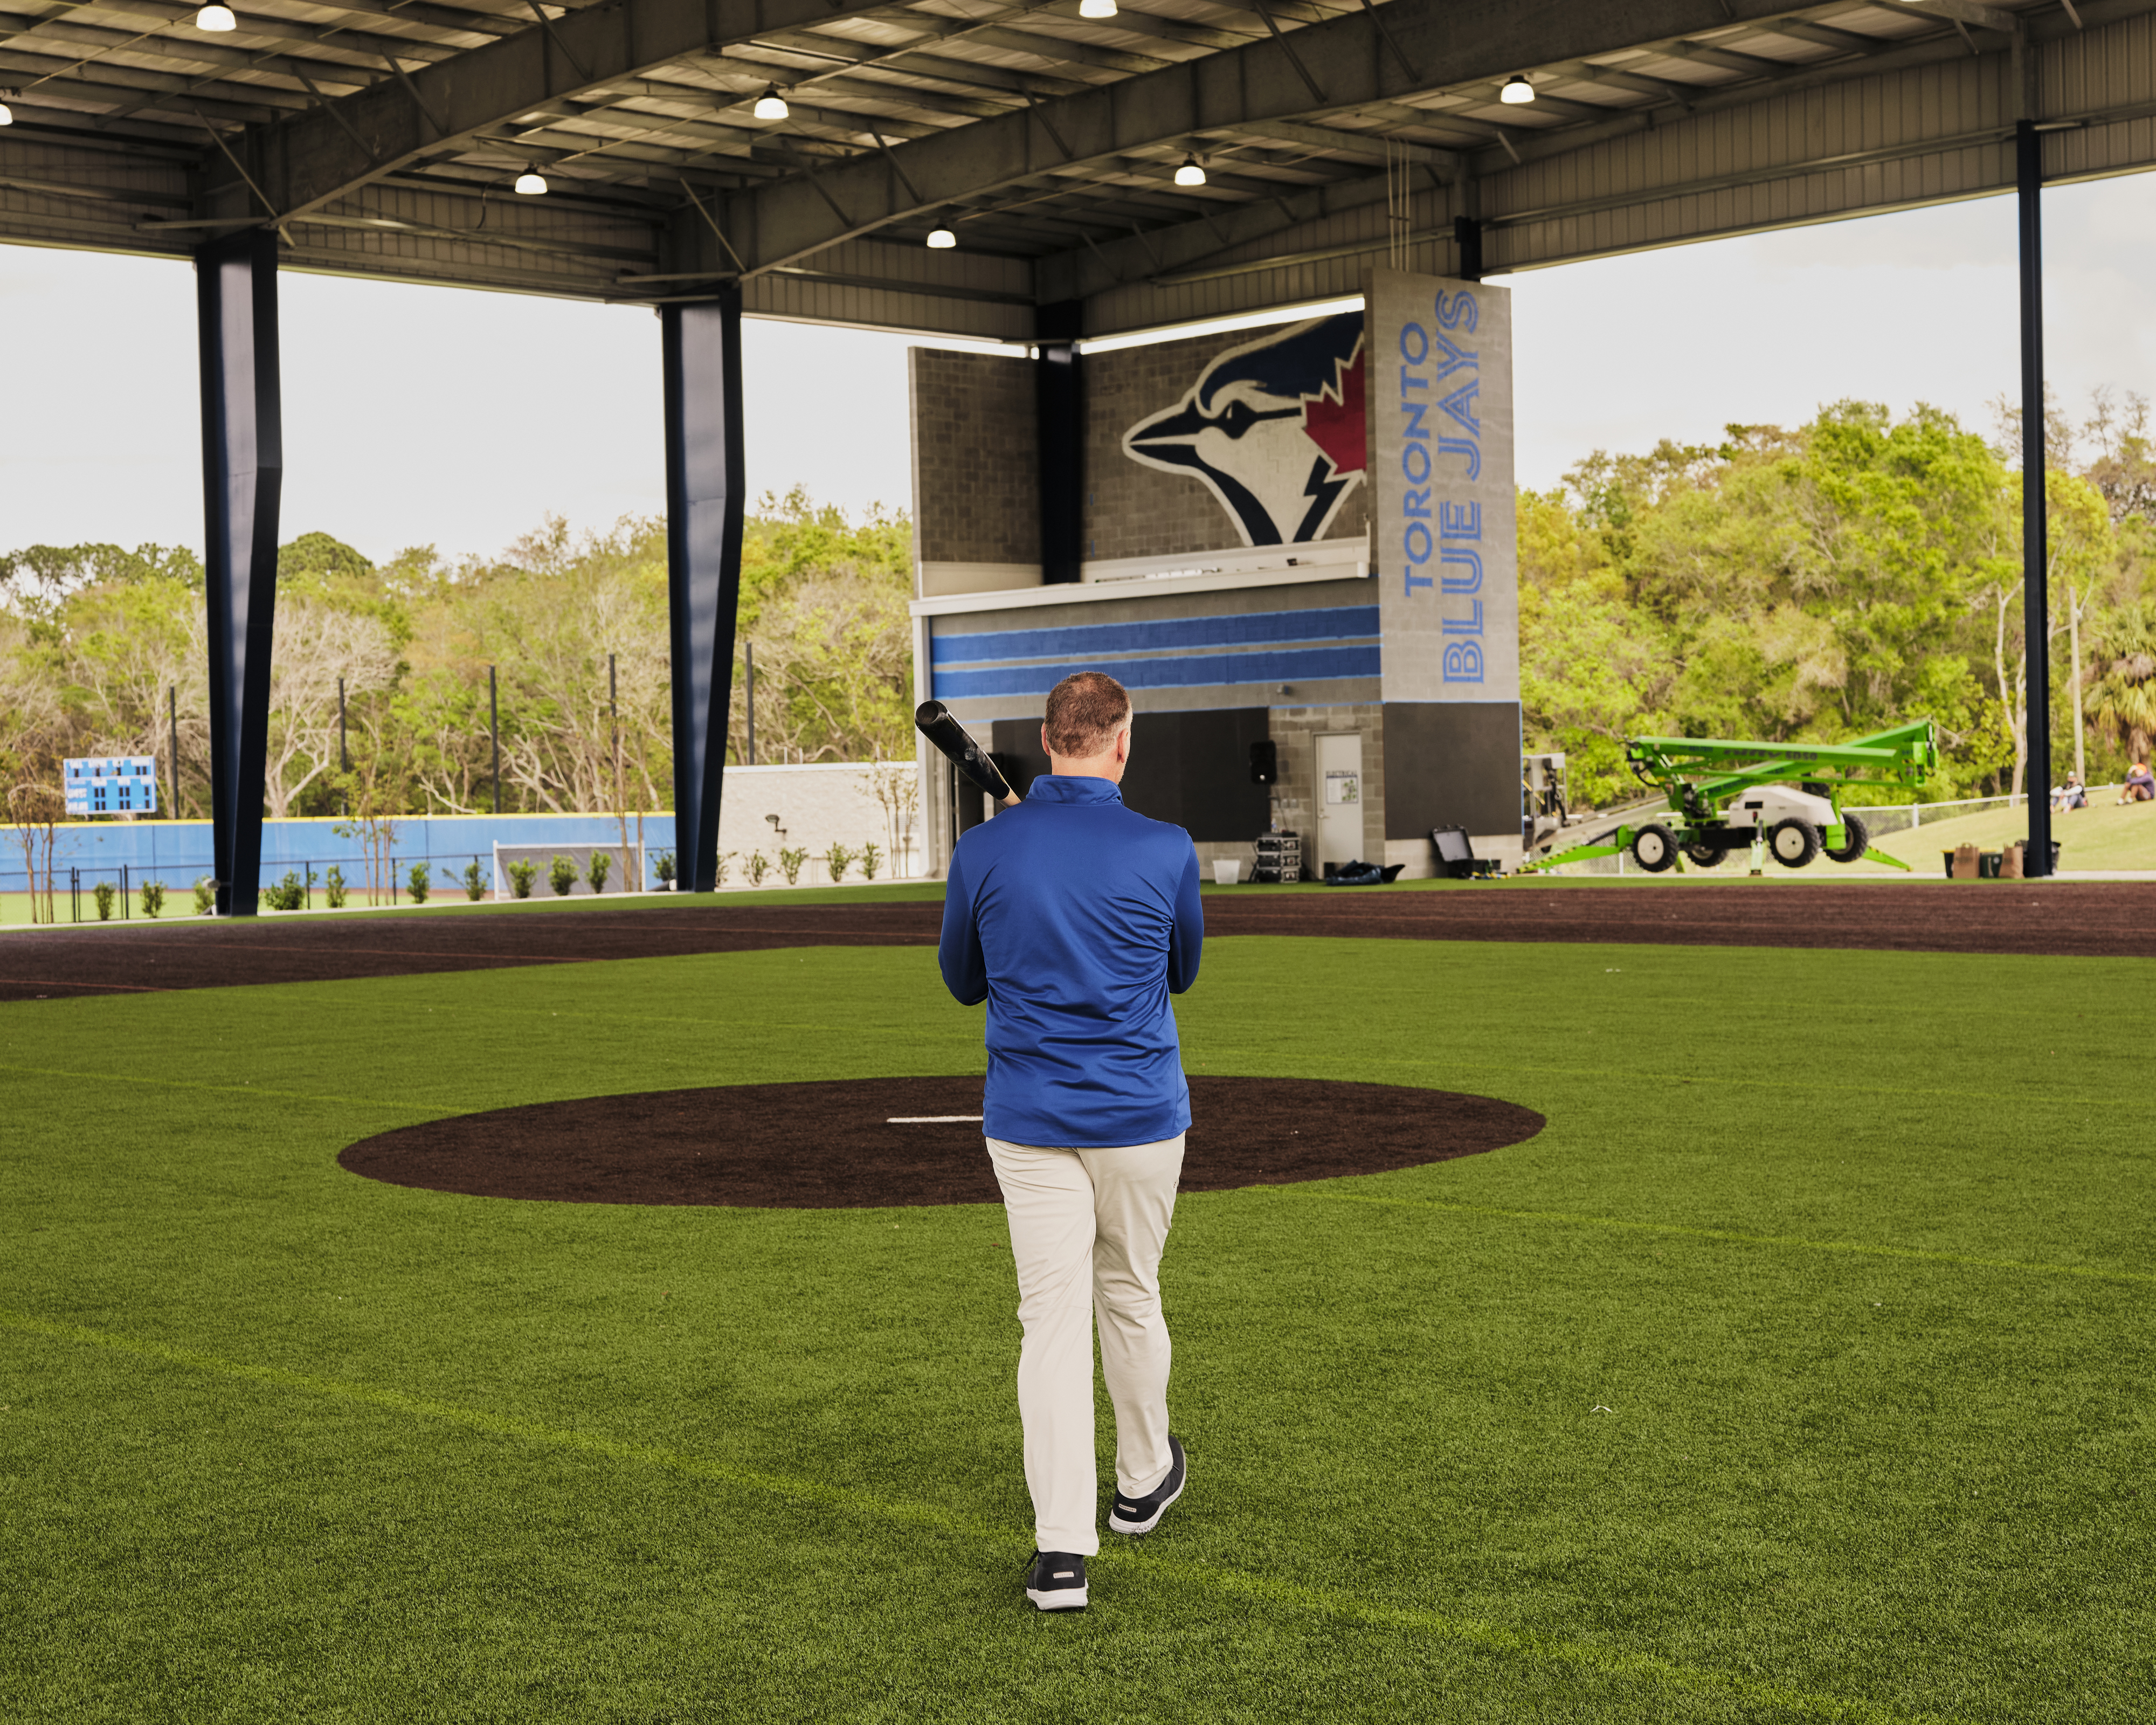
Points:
(1813, 583)
(1851, 574)
(93, 638)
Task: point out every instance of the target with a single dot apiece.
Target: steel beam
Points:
(1452, 43)
(700, 349)
(2036, 543)
(320, 157)
(242, 476)
(1059, 404)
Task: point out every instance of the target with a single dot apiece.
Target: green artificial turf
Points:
(1798, 1371)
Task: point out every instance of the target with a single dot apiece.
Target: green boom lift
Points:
(1723, 796)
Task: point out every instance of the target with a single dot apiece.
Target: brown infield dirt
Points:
(2106, 919)
(835, 1145)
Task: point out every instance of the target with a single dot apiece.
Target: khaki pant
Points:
(1088, 1226)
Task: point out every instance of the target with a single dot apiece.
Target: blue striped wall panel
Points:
(1214, 669)
(1089, 642)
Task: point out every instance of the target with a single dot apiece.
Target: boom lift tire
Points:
(1794, 843)
(1655, 848)
(1858, 839)
(1705, 856)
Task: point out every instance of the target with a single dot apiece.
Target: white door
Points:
(1339, 800)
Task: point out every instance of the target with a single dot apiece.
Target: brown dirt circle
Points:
(835, 1145)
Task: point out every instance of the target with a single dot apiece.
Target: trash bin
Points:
(1988, 864)
(1227, 870)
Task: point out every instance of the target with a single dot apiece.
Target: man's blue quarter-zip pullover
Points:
(1076, 918)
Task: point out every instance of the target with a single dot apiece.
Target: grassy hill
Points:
(2101, 836)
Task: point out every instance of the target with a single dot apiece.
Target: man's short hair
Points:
(1085, 711)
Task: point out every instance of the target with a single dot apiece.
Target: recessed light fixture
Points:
(214, 17)
(1096, 9)
(942, 240)
(532, 182)
(770, 105)
(1190, 173)
(1516, 90)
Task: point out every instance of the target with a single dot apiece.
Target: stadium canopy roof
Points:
(381, 137)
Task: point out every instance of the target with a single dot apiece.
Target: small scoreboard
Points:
(125, 784)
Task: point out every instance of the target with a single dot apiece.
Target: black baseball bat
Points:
(934, 721)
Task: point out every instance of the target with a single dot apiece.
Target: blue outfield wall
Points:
(178, 852)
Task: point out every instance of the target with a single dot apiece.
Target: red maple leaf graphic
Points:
(1333, 419)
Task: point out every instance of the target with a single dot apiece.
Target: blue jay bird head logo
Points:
(1273, 428)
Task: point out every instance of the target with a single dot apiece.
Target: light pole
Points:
(2036, 620)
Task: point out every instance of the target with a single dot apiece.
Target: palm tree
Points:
(2125, 695)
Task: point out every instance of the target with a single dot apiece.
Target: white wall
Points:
(817, 806)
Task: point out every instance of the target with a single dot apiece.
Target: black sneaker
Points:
(1056, 1581)
(1142, 1515)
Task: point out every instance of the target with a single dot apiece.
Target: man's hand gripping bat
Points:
(935, 722)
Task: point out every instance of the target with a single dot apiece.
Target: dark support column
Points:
(242, 476)
(701, 342)
(1467, 235)
(1058, 399)
(2035, 610)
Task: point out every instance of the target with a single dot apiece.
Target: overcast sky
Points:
(417, 415)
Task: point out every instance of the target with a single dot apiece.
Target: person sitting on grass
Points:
(2140, 786)
(2069, 795)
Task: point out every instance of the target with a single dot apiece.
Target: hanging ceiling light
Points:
(1190, 173)
(770, 105)
(942, 240)
(1516, 90)
(1096, 9)
(532, 182)
(6, 113)
(215, 16)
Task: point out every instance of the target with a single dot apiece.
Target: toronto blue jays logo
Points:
(1274, 429)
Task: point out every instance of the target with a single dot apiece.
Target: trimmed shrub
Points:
(871, 860)
(839, 860)
(420, 883)
(790, 864)
(598, 868)
(663, 867)
(562, 874)
(759, 865)
(521, 874)
(153, 897)
(475, 879)
(334, 888)
(205, 896)
(106, 892)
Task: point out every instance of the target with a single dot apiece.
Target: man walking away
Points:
(1076, 918)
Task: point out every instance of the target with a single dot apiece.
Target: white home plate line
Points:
(929, 1119)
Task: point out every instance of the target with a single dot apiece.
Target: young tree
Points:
(2080, 552)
